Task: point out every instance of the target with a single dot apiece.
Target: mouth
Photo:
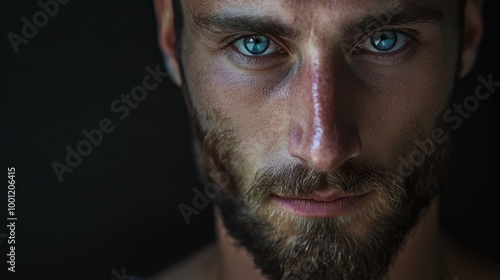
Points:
(322, 204)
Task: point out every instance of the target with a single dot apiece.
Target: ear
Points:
(167, 39)
(472, 34)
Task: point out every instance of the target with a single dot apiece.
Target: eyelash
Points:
(384, 57)
(260, 62)
(410, 47)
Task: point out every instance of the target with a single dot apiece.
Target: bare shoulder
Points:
(201, 265)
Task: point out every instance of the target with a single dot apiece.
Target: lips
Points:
(321, 204)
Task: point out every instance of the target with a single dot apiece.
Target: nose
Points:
(323, 131)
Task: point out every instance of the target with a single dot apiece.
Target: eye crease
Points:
(383, 41)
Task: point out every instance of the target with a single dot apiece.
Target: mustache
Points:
(353, 176)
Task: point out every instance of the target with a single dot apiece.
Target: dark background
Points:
(119, 208)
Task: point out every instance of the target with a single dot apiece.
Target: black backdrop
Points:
(118, 209)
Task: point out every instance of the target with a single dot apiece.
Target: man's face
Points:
(310, 107)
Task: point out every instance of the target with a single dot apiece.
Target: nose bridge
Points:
(322, 134)
(321, 123)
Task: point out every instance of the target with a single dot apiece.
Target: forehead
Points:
(308, 10)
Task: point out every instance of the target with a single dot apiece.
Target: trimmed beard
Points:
(358, 246)
(285, 246)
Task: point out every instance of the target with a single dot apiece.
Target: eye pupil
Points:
(256, 44)
(384, 40)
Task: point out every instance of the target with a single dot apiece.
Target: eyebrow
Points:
(230, 21)
(410, 13)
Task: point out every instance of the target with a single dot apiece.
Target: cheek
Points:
(405, 103)
(243, 98)
(394, 105)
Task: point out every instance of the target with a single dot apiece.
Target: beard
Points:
(360, 245)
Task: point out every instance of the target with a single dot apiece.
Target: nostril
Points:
(323, 149)
(296, 136)
(326, 159)
(296, 145)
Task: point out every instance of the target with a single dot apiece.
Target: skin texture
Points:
(321, 111)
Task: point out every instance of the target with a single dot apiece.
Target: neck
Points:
(419, 257)
(235, 261)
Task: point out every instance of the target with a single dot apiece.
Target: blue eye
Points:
(256, 45)
(385, 41)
